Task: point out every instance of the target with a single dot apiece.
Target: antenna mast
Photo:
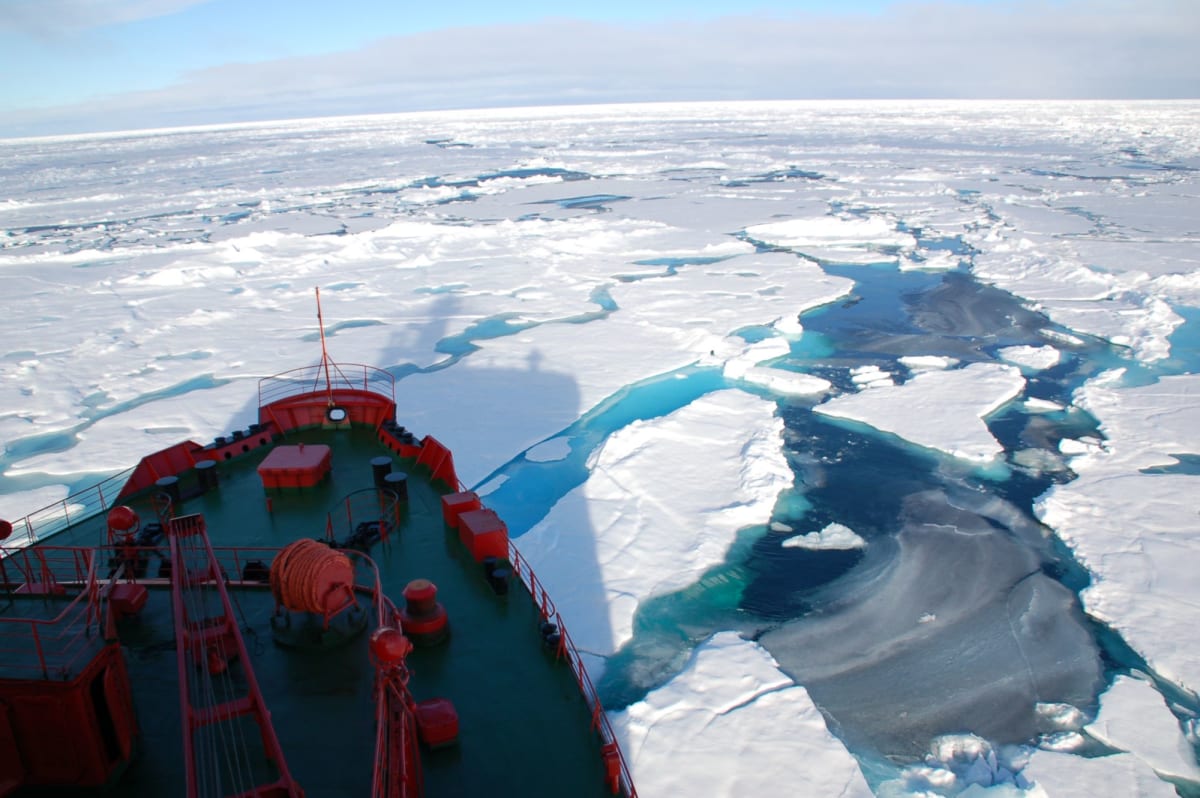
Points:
(324, 351)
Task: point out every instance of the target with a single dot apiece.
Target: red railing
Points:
(622, 779)
(611, 748)
(57, 516)
(312, 379)
(57, 644)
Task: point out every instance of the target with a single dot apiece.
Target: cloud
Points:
(1080, 49)
(48, 19)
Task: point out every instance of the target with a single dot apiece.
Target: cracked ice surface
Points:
(943, 410)
(1129, 518)
(708, 731)
(662, 504)
(130, 302)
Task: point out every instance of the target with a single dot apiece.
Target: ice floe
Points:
(1134, 717)
(941, 410)
(662, 504)
(833, 536)
(1129, 516)
(731, 724)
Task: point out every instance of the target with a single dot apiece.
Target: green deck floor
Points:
(524, 728)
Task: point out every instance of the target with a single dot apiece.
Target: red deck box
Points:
(299, 466)
(484, 534)
(455, 504)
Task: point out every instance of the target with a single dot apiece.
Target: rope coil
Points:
(308, 576)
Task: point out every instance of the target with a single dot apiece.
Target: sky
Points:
(70, 66)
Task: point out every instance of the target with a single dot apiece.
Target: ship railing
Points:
(567, 649)
(49, 646)
(62, 514)
(319, 379)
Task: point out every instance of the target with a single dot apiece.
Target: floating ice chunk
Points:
(1060, 717)
(663, 503)
(758, 352)
(1066, 741)
(787, 383)
(1078, 446)
(730, 725)
(964, 765)
(1134, 717)
(928, 362)
(833, 536)
(744, 366)
(492, 485)
(941, 410)
(871, 377)
(1032, 358)
(549, 451)
(1035, 405)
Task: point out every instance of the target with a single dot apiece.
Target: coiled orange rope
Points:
(306, 574)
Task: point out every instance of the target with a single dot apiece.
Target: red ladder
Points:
(221, 755)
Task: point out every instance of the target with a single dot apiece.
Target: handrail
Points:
(567, 649)
(56, 642)
(311, 379)
(60, 515)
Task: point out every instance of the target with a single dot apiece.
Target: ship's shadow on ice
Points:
(489, 405)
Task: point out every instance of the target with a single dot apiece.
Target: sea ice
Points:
(833, 536)
(1133, 717)
(731, 724)
(1059, 775)
(129, 308)
(836, 239)
(1129, 513)
(941, 410)
(662, 504)
(871, 377)
(1031, 358)
(928, 362)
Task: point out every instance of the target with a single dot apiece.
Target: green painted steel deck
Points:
(525, 729)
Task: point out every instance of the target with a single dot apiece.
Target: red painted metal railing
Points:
(311, 379)
(619, 776)
(59, 515)
(50, 647)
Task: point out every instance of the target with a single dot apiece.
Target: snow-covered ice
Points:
(941, 410)
(710, 729)
(1130, 517)
(833, 536)
(528, 278)
(1032, 358)
(662, 504)
(1134, 717)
